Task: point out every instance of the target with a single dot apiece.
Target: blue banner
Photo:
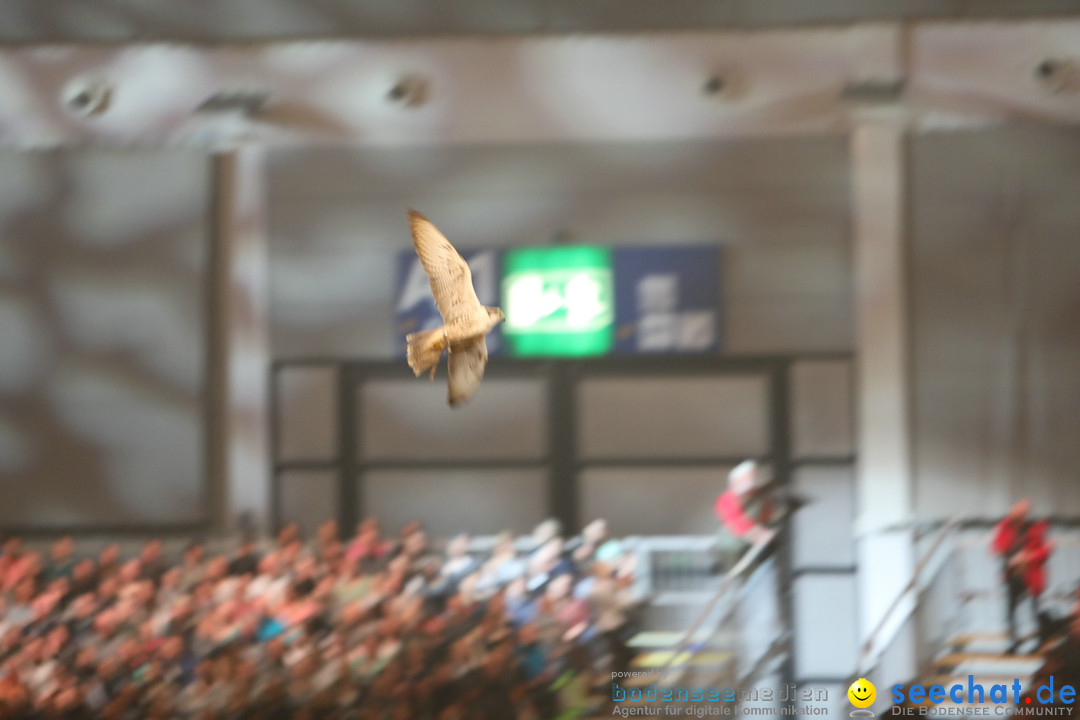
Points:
(414, 308)
(667, 299)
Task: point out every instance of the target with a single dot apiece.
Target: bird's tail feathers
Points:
(423, 350)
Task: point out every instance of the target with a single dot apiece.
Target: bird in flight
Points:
(466, 322)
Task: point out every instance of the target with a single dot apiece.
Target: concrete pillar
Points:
(240, 316)
(884, 485)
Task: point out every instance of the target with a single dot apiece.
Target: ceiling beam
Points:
(222, 21)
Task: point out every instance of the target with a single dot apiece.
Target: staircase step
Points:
(983, 656)
(661, 658)
(988, 643)
(983, 643)
(991, 665)
(654, 640)
(682, 597)
(968, 638)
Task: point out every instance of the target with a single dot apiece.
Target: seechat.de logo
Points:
(997, 694)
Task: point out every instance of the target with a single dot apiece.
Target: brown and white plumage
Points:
(466, 320)
(466, 365)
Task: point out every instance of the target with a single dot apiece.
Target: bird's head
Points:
(496, 315)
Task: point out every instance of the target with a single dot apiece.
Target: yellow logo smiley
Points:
(862, 693)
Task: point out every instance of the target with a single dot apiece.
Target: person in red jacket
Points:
(732, 509)
(731, 505)
(1024, 551)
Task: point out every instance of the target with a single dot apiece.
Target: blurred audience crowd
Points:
(369, 627)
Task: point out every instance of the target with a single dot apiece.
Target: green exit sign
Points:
(559, 301)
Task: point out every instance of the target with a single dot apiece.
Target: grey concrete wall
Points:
(102, 337)
(996, 320)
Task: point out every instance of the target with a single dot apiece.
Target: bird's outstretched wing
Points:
(447, 271)
(466, 369)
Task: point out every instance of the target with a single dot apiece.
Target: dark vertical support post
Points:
(348, 439)
(562, 445)
(275, 447)
(780, 432)
(215, 380)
